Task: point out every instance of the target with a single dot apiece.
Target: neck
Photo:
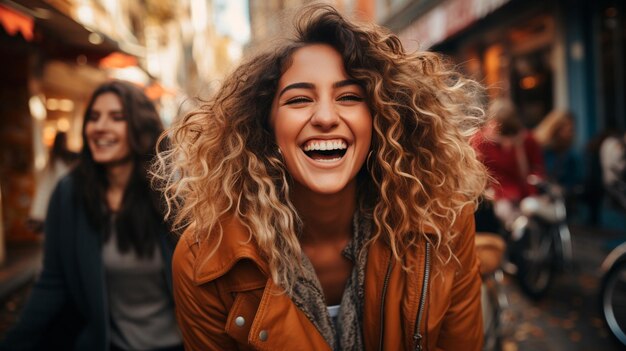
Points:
(118, 175)
(327, 218)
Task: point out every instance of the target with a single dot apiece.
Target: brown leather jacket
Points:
(227, 302)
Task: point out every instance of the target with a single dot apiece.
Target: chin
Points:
(330, 187)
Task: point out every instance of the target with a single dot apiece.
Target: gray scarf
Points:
(309, 298)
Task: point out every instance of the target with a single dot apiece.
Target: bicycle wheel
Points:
(613, 294)
(536, 259)
(491, 316)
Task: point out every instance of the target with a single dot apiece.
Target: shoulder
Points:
(67, 183)
(207, 257)
(184, 257)
(63, 194)
(465, 217)
(464, 227)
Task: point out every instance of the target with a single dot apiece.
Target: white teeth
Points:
(104, 142)
(323, 145)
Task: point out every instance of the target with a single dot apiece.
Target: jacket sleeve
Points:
(200, 312)
(49, 294)
(463, 326)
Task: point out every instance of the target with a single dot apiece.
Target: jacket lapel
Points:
(277, 318)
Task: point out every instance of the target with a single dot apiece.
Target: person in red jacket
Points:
(511, 154)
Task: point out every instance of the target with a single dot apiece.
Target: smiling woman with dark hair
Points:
(107, 250)
(327, 192)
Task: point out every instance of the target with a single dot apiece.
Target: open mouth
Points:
(105, 142)
(325, 150)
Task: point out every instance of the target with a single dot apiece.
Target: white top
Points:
(333, 311)
(612, 160)
(141, 311)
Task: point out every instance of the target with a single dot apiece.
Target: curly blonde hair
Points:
(223, 161)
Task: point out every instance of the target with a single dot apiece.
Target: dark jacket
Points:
(70, 293)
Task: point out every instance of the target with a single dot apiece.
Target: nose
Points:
(325, 116)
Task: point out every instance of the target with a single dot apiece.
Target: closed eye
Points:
(119, 117)
(350, 97)
(298, 100)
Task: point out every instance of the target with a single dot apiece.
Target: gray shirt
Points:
(140, 305)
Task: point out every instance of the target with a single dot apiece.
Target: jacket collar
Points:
(216, 256)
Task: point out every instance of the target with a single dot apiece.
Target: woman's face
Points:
(321, 120)
(106, 130)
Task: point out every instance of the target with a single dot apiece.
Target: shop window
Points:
(531, 85)
(611, 64)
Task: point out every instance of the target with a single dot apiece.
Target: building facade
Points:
(543, 55)
(55, 52)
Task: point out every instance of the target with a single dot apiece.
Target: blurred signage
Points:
(15, 22)
(118, 60)
(445, 20)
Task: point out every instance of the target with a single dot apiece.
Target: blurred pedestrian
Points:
(106, 276)
(329, 189)
(511, 154)
(60, 161)
(555, 135)
(613, 162)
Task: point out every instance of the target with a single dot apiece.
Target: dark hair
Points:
(59, 150)
(140, 219)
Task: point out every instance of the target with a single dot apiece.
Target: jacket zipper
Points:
(417, 337)
(382, 305)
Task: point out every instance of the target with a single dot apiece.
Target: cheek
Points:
(124, 136)
(364, 126)
(87, 130)
(284, 129)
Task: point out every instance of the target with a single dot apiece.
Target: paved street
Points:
(568, 318)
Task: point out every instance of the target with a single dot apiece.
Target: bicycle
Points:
(613, 285)
(540, 239)
(613, 292)
(489, 250)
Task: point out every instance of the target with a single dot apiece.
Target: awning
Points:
(448, 18)
(118, 60)
(15, 22)
(61, 36)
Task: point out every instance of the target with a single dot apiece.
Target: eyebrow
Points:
(306, 85)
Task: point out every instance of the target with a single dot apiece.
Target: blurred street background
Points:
(543, 55)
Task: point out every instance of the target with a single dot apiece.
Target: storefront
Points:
(609, 30)
(516, 53)
(543, 55)
(49, 67)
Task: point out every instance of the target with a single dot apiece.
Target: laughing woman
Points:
(106, 276)
(327, 192)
